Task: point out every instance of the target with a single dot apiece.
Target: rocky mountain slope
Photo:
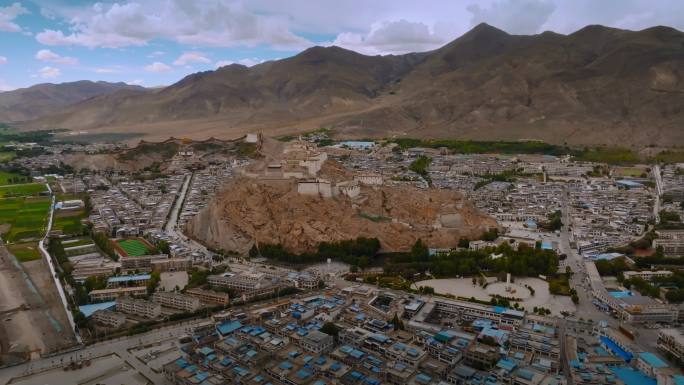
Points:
(597, 85)
(43, 99)
(251, 210)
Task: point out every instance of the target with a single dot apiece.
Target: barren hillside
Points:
(251, 210)
(597, 85)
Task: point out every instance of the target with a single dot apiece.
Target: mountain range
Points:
(44, 99)
(598, 85)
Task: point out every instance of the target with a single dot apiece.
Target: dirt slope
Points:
(250, 210)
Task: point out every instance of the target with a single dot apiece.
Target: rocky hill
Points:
(597, 85)
(250, 210)
(43, 99)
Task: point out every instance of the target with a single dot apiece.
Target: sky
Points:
(158, 42)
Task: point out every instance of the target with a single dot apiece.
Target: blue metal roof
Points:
(652, 360)
(88, 310)
(229, 327)
(625, 355)
(128, 278)
(633, 377)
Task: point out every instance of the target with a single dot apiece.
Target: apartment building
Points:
(209, 296)
(141, 263)
(316, 342)
(176, 301)
(128, 280)
(671, 342)
(139, 307)
(647, 275)
(170, 264)
(109, 294)
(109, 318)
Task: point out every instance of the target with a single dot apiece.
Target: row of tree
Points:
(525, 261)
(356, 252)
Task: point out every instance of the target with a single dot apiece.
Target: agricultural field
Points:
(12, 178)
(23, 218)
(21, 190)
(133, 247)
(69, 221)
(25, 252)
(6, 156)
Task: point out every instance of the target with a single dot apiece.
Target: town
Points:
(577, 280)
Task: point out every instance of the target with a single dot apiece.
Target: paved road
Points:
(173, 218)
(659, 192)
(119, 346)
(53, 271)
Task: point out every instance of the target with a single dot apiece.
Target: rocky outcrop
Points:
(252, 210)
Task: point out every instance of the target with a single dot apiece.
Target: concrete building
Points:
(128, 280)
(176, 301)
(671, 341)
(170, 264)
(139, 307)
(369, 178)
(107, 294)
(649, 363)
(316, 342)
(141, 263)
(647, 275)
(209, 296)
(109, 318)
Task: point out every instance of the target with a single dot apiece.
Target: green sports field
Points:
(23, 218)
(133, 247)
(20, 190)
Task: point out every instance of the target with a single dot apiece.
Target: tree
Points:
(330, 329)
(363, 262)
(398, 324)
(575, 298)
(253, 252)
(420, 251)
(464, 243)
(163, 247)
(80, 319)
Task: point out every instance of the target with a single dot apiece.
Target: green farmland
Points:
(69, 221)
(25, 252)
(23, 218)
(12, 178)
(21, 190)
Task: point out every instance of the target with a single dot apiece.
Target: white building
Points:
(109, 318)
(176, 301)
(139, 307)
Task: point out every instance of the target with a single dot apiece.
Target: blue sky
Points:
(157, 42)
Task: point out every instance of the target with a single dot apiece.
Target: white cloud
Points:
(393, 37)
(7, 16)
(106, 70)
(6, 87)
(514, 16)
(247, 62)
(157, 67)
(220, 23)
(156, 54)
(3, 60)
(191, 57)
(48, 56)
(136, 82)
(49, 72)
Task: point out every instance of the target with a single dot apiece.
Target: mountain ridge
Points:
(597, 85)
(45, 98)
